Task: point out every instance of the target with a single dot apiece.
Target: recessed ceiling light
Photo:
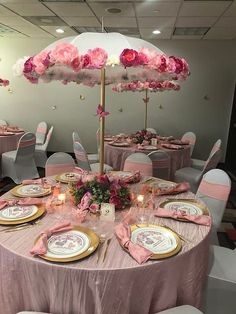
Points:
(156, 32)
(113, 10)
(156, 11)
(60, 31)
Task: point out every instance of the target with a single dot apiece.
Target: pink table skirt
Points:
(115, 157)
(8, 143)
(119, 285)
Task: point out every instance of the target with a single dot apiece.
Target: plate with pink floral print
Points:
(162, 241)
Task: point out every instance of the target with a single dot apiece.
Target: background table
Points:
(117, 286)
(115, 156)
(9, 142)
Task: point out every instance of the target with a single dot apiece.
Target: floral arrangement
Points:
(66, 55)
(4, 82)
(142, 136)
(152, 86)
(91, 191)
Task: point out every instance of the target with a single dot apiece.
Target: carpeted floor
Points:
(227, 231)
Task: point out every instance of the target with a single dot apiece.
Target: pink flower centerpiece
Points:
(91, 191)
(143, 137)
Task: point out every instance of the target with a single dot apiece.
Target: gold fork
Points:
(20, 227)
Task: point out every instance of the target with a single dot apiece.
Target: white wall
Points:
(213, 68)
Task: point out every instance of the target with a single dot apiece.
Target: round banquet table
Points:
(9, 142)
(119, 285)
(115, 156)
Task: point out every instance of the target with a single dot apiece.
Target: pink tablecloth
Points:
(117, 286)
(115, 156)
(8, 143)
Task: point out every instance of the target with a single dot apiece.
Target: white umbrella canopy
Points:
(101, 58)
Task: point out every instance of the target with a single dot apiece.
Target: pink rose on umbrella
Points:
(75, 64)
(41, 62)
(98, 57)
(129, 57)
(29, 66)
(85, 61)
(64, 53)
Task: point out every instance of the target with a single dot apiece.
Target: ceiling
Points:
(176, 19)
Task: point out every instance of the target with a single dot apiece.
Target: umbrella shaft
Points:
(102, 122)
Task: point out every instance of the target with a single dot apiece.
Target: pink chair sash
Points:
(26, 143)
(164, 163)
(213, 190)
(41, 130)
(81, 156)
(189, 139)
(58, 169)
(144, 168)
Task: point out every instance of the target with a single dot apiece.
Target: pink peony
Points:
(64, 54)
(116, 201)
(149, 53)
(85, 61)
(85, 201)
(142, 58)
(29, 65)
(179, 65)
(98, 57)
(129, 57)
(41, 62)
(75, 64)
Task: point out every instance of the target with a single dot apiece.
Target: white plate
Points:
(149, 147)
(156, 239)
(31, 190)
(67, 244)
(166, 185)
(190, 209)
(122, 174)
(120, 144)
(18, 212)
(70, 176)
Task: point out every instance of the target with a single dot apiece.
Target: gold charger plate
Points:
(172, 236)
(195, 203)
(41, 211)
(60, 178)
(15, 192)
(94, 242)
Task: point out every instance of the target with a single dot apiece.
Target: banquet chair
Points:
(160, 164)
(40, 155)
(139, 162)
(41, 132)
(58, 163)
(31, 312)
(3, 123)
(191, 138)
(183, 309)
(82, 159)
(214, 190)
(92, 158)
(106, 132)
(199, 164)
(153, 131)
(193, 176)
(19, 164)
(219, 295)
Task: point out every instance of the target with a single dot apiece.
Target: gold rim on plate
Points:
(204, 208)
(94, 241)
(41, 210)
(59, 179)
(161, 255)
(15, 192)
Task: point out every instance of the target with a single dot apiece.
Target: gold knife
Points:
(105, 252)
(19, 227)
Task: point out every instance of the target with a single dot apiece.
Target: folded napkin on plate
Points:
(41, 246)
(138, 252)
(181, 214)
(171, 146)
(42, 181)
(153, 187)
(80, 170)
(22, 201)
(179, 142)
(134, 178)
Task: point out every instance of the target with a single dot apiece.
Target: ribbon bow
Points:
(101, 113)
(146, 100)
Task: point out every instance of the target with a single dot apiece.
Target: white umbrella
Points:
(101, 58)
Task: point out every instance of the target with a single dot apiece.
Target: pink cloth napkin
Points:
(179, 142)
(22, 201)
(180, 214)
(80, 170)
(139, 253)
(171, 146)
(40, 248)
(178, 188)
(133, 178)
(41, 181)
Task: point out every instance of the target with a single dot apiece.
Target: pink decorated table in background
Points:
(9, 140)
(118, 285)
(115, 156)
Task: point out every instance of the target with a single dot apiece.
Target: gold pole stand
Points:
(146, 109)
(102, 123)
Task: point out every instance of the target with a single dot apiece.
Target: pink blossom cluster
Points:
(4, 82)
(153, 86)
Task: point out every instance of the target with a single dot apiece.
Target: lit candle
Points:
(140, 199)
(61, 198)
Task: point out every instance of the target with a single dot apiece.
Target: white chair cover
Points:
(183, 309)
(214, 190)
(41, 132)
(19, 164)
(160, 164)
(58, 163)
(151, 130)
(41, 150)
(92, 158)
(199, 164)
(139, 162)
(191, 138)
(82, 159)
(220, 295)
(194, 176)
(3, 122)
(106, 132)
